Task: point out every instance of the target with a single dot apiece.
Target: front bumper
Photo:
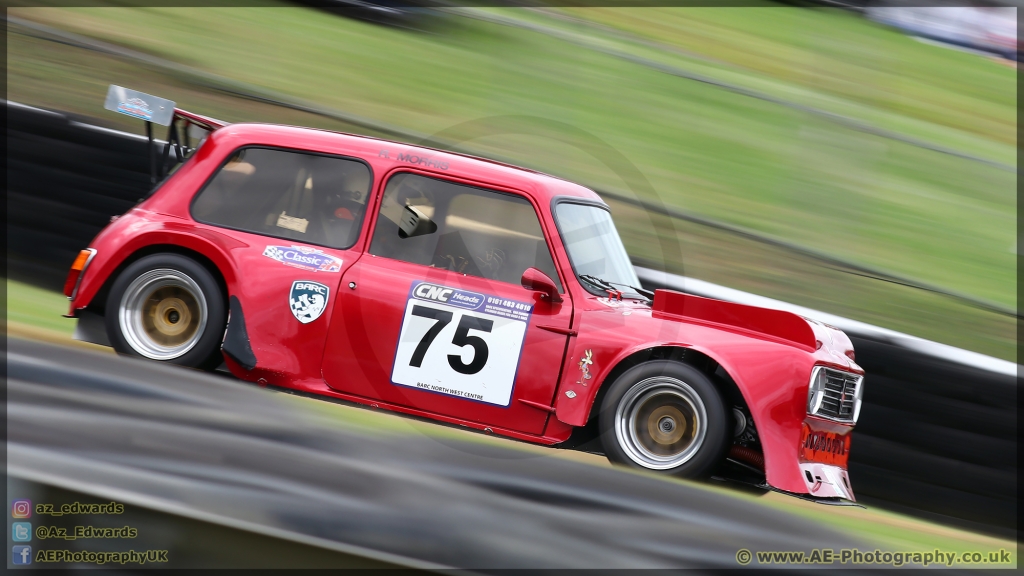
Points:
(827, 481)
(823, 456)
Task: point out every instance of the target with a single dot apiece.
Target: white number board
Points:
(460, 343)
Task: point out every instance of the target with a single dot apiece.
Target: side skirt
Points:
(320, 391)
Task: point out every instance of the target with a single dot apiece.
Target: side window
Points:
(472, 231)
(305, 197)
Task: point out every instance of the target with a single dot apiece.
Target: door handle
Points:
(557, 330)
(538, 406)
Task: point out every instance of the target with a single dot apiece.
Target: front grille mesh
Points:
(840, 394)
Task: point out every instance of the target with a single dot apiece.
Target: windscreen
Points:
(594, 246)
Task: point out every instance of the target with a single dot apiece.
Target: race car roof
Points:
(384, 155)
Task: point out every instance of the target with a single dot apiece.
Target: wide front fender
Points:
(132, 233)
(771, 376)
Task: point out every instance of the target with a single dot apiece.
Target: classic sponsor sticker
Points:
(460, 343)
(304, 257)
(307, 300)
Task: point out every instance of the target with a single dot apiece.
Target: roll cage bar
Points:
(156, 110)
(177, 140)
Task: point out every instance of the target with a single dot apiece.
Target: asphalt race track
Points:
(190, 454)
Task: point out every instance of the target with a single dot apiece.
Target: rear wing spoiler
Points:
(181, 125)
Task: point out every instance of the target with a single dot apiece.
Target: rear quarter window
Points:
(311, 198)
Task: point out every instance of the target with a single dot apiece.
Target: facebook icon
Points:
(22, 555)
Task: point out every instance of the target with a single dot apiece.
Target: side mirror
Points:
(538, 281)
(415, 223)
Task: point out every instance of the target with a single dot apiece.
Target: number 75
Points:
(462, 338)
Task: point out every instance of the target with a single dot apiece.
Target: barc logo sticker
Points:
(308, 300)
(304, 257)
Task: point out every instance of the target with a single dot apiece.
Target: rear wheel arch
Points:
(98, 302)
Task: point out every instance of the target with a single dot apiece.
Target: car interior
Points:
(304, 197)
(479, 232)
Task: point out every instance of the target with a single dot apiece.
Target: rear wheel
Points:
(167, 307)
(667, 417)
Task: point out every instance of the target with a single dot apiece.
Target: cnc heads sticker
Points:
(308, 300)
(449, 296)
(304, 257)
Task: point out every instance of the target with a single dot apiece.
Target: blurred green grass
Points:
(38, 308)
(882, 203)
(868, 71)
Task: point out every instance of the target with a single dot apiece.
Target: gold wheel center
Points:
(170, 316)
(666, 425)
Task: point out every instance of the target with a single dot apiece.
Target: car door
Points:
(434, 317)
(288, 221)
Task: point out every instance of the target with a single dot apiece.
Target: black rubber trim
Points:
(236, 340)
(91, 328)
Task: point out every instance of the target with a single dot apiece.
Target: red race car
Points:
(463, 290)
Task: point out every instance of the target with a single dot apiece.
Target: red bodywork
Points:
(348, 352)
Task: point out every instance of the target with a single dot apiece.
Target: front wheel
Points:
(667, 417)
(167, 307)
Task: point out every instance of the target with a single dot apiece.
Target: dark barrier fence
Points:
(65, 179)
(935, 436)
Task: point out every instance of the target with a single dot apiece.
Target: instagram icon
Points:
(21, 509)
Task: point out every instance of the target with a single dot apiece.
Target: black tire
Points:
(646, 420)
(152, 296)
